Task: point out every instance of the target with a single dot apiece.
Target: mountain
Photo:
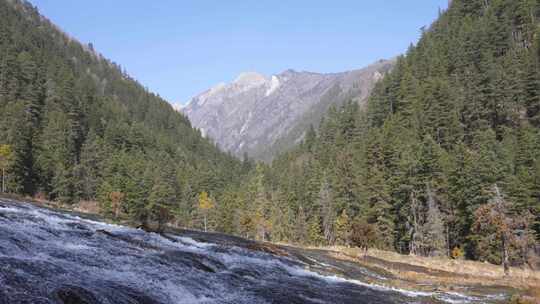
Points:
(262, 115)
(443, 161)
(75, 126)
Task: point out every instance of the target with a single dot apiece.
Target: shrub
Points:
(363, 234)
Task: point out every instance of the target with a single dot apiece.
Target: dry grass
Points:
(91, 207)
(442, 274)
(443, 271)
(462, 267)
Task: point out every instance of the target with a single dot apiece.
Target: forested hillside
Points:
(74, 126)
(444, 161)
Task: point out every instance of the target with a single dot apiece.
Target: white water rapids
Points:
(53, 257)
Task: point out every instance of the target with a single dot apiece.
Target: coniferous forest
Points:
(444, 160)
(74, 126)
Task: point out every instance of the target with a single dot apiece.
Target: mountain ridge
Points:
(255, 113)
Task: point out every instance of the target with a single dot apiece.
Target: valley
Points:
(415, 179)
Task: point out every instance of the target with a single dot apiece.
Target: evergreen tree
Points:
(161, 199)
(343, 228)
(434, 228)
(328, 212)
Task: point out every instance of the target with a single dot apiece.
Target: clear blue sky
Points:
(179, 48)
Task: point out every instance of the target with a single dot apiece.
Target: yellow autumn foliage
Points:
(205, 203)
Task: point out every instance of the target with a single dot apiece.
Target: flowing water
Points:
(53, 257)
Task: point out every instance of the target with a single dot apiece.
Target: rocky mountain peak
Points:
(262, 115)
(250, 79)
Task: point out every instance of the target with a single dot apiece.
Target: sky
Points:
(180, 48)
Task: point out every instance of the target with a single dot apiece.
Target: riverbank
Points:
(442, 273)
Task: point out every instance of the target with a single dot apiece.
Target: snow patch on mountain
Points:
(246, 123)
(177, 106)
(274, 85)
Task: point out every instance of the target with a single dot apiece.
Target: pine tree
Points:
(301, 235)
(343, 228)
(160, 202)
(434, 228)
(90, 166)
(325, 201)
(23, 160)
(315, 233)
(64, 190)
(380, 211)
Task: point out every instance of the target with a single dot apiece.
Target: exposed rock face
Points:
(262, 115)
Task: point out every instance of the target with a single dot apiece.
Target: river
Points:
(48, 256)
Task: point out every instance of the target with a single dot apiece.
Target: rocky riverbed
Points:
(48, 256)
